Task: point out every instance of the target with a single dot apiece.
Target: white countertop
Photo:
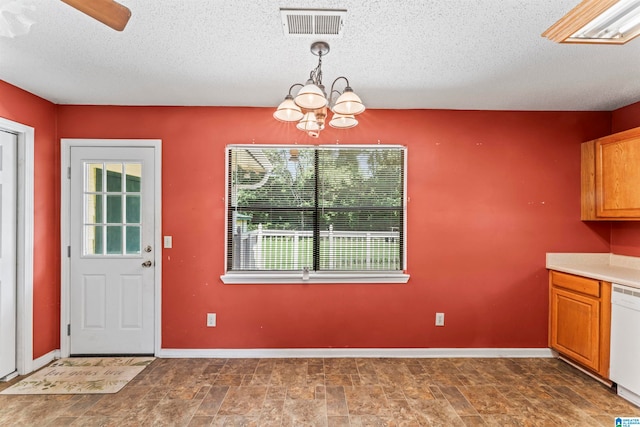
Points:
(624, 270)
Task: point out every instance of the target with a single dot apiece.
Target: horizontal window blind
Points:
(316, 208)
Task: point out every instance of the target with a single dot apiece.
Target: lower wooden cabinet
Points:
(580, 320)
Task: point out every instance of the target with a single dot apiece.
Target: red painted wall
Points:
(625, 118)
(28, 109)
(625, 236)
(489, 194)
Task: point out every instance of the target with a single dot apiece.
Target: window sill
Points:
(314, 278)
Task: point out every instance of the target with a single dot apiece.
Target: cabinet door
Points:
(575, 327)
(617, 177)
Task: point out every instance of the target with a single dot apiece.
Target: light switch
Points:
(211, 320)
(168, 242)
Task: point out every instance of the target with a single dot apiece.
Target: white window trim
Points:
(313, 277)
(252, 278)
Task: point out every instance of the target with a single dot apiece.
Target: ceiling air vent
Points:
(313, 22)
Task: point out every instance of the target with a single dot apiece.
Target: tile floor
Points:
(335, 392)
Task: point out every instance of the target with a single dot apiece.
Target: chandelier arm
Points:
(331, 95)
(294, 85)
(335, 90)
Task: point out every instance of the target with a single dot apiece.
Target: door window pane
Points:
(93, 240)
(114, 177)
(114, 240)
(133, 209)
(93, 177)
(114, 209)
(92, 208)
(134, 172)
(133, 239)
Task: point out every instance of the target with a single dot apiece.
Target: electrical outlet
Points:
(439, 319)
(211, 320)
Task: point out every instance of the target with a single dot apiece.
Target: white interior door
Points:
(112, 258)
(8, 252)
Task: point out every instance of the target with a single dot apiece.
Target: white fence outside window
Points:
(265, 249)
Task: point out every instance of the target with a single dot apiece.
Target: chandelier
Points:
(310, 105)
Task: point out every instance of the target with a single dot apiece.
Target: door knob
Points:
(147, 264)
(147, 249)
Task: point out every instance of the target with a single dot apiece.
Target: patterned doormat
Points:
(82, 375)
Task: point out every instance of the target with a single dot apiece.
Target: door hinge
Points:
(68, 251)
(68, 329)
(69, 172)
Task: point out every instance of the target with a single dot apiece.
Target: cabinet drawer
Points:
(576, 283)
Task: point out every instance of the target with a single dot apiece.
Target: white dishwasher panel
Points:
(625, 337)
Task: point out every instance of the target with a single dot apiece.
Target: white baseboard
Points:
(629, 395)
(45, 359)
(354, 352)
(584, 371)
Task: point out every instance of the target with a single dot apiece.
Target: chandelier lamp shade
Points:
(310, 105)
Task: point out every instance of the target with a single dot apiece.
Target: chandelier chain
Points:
(316, 74)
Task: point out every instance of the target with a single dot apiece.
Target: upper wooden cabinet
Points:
(611, 177)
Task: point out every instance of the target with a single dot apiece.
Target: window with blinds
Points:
(315, 209)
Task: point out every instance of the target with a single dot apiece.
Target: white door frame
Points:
(65, 230)
(24, 235)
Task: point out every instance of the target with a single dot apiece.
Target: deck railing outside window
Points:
(264, 249)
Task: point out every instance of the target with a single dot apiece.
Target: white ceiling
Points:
(450, 54)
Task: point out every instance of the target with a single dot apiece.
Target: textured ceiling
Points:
(453, 54)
